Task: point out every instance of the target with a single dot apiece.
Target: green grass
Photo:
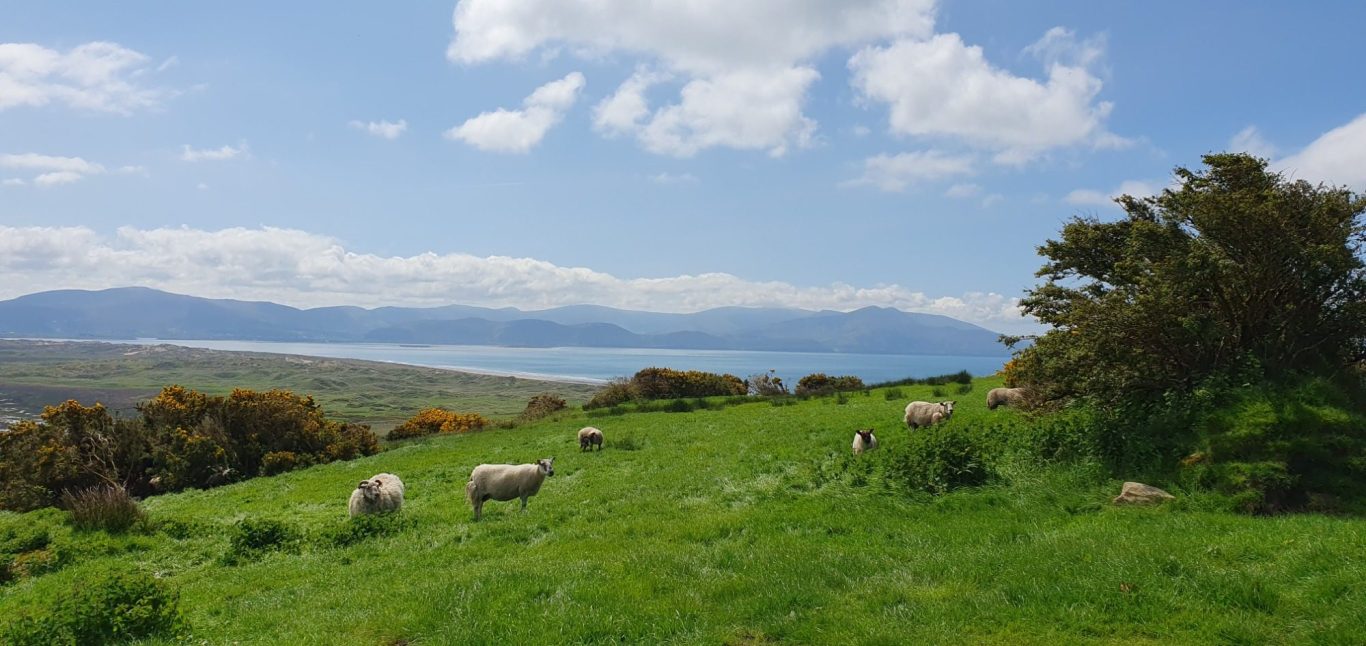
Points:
(713, 527)
(40, 373)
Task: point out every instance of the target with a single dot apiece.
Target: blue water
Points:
(599, 364)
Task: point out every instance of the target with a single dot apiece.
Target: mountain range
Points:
(139, 312)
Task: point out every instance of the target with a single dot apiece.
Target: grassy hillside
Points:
(39, 373)
(745, 525)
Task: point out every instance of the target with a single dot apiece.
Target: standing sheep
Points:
(1005, 397)
(864, 440)
(925, 413)
(589, 437)
(505, 482)
(380, 494)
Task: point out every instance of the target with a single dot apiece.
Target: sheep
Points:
(505, 482)
(925, 413)
(1005, 397)
(380, 494)
(864, 440)
(589, 437)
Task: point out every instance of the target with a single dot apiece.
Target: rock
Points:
(1137, 493)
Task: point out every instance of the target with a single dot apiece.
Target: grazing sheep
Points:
(505, 482)
(925, 414)
(380, 494)
(1005, 397)
(589, 437)
(864, 440)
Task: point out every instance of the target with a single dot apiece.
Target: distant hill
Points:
(139, 312)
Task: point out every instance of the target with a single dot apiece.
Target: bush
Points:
(277, 462)
(430, 421)
(110, 607)
(938, 460)
(251, 538)
(542, 406)
(822, 384)
(766, 385)
(893, 394)
(103, 507)
(616, 392)
(359, 528)
(960, 377)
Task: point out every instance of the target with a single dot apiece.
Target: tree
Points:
(1236, 269)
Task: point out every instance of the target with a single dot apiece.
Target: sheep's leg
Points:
(478, 508)
(523, 503)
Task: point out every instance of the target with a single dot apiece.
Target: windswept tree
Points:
(1236, 270)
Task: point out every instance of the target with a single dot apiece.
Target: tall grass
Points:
(105, 507)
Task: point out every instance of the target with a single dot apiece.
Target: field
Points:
(744, 525)
(38, 373)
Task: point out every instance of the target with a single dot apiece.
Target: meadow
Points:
(37, 373)
(736, 524)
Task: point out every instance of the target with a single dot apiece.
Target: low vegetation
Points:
(430, 421)
(653, 384)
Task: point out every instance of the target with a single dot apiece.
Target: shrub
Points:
(963, 389)
(616, 392)
(430, 421)
(253, 537)
(103, 507)
(110, 607)
(542, 406)
(893, 394)
(938, 460)
(766, 385)
(666, 383)
(822, 384)
(277, 462)
(960, 377)
(17, 542)
(359, 528)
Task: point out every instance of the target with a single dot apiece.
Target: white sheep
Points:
(589, 437)
(1005, 397)
(505, 482)
(925, 413)
(380, 494)
(864, 440)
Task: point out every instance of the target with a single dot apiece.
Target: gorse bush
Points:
(110, 607)
(542, 406)
(180, 439)
(430, 421)
(105, 507)
(822, 384)
(665, 383)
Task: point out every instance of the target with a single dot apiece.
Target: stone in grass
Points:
(1137, 493)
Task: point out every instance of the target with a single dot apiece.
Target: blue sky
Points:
(669, 156)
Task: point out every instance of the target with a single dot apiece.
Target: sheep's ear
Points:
(363, 483)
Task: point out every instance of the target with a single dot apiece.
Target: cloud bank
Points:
(308, 270)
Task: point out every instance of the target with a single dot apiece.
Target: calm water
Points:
(598, 364)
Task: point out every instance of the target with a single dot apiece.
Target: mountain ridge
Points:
(141, 312)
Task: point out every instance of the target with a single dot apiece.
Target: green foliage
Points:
(1238, 269)
(104, 507)
(939, 459)
(665, 383)
(893, 394)
(356, 529)
(106, 608)
(253, 537)
(822, 384)
(960, 377)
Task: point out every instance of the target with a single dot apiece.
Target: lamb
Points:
(588, 437)
(380, 494)
(925, 413)
(505, 482)
(864, 440)
(1005, 396)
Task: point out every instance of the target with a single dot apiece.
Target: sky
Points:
(666, 155)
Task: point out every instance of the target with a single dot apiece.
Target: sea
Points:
(597, 365)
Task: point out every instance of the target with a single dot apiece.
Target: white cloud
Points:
(1249, 140)
(213, 154)
(1092, 197)
(992, 200)
(52, 170)
(307, 270)
(963, 190)
(202, 186)
(670, 178)
(168, 63)
(896, 172)
(382, 129)
(12, 181)
(942, 88)
(744, 67)
(1336, 157)
(518, 131)
(96, 76)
